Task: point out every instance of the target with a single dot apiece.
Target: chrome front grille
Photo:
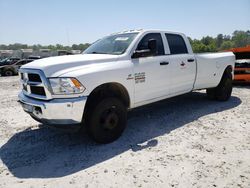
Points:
(35, 84)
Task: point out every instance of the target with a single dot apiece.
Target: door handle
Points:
(164, 63)
(190, 60)
(183, 64)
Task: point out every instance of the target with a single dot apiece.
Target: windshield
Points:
(3, 60)
(114, 44)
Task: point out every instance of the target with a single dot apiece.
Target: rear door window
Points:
(176, 44)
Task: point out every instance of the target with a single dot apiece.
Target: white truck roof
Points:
(147, 31)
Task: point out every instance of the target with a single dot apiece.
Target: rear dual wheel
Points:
(224, 90)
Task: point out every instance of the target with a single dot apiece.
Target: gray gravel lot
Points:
(187, 141)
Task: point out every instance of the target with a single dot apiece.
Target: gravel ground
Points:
(187, 141)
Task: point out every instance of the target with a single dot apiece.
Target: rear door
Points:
(183, 65)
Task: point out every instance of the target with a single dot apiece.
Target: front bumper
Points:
(56, 112)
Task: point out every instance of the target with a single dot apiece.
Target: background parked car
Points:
(34, 57)
(9, 61)
(242, 70)
(12, 69)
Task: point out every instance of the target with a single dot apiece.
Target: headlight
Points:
(62, 86)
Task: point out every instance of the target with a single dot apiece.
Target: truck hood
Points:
(56, 66)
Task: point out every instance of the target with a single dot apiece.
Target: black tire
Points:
(211, 93)
(224, 90)
(8, 73)
(106, 120)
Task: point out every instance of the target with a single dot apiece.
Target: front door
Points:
(151, 73)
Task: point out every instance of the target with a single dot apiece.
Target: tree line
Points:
(35, 47)
(206, 44)
(221, 42)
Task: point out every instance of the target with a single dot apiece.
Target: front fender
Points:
(118, 72)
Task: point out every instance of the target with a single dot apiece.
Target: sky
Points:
(70, 22)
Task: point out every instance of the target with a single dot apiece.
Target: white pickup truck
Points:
(116, 73)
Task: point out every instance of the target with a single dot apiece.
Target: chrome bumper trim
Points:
(56, 111)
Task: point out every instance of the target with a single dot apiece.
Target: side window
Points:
(176, 44)
(143, 45)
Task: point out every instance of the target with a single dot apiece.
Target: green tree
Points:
(36, 47)
(226, 45)
(198, 46)
(219, 40)
(207, 40)
(52, 47)
(241, 38)
(59, 47)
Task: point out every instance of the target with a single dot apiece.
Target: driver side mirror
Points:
(152, 45)
(152, 49)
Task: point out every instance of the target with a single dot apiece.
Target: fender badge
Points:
(130, 77)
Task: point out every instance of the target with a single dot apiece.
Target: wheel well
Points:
(108, 90)
(8, 69)
(229, 69)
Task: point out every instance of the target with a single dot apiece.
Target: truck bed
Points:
(210, 68)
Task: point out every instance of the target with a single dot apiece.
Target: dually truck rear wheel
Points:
(224, 90)
(211, 93)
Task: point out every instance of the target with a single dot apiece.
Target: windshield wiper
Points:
(98, 53)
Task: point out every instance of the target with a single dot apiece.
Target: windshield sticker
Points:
(121, 39)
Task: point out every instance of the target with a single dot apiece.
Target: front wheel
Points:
(106, 120)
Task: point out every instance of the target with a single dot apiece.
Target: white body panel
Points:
(210, 68)
(160, 82)
(182, 73)
(154, 85)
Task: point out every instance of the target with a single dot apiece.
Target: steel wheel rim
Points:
(109, 119)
